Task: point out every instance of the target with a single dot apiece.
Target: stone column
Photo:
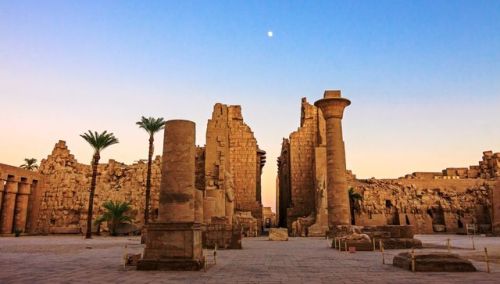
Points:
(21, 212)
(198, 206)
(178, 173)
(208, 209)
(34, 200)
(174, 242)
(9, 203)
(332, 106)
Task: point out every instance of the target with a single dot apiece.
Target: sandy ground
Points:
(72, 259)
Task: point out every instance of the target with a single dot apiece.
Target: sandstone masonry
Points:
(445, 201)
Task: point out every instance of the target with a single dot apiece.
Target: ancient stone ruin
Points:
(173, 242)
(20, 196)
(227, 172)
(427, 202)
(316, 194)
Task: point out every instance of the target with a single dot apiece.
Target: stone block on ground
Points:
(361, 242)
(278, 234)
(131, 259)
(434, 262)
(401, 243)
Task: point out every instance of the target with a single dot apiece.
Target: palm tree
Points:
(354, 197)
(29, 164)
(151, 125)
(115, 215)
(98, 141)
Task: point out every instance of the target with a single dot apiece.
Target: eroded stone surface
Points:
(433, 262)
(174, 242)
(445, 201)
(278, 234)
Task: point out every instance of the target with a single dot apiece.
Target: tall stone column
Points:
(174, 242)
(21, 212)
(332, 105)
(8, 206)
(178, 173)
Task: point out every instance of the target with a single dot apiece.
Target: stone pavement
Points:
(71, 259)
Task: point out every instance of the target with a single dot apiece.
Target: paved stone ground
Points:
(71, 259)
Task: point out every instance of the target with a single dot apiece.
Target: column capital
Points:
(24, 188)
(332, 105)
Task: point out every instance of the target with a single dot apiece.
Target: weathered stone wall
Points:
(431, 205)
(217, 164)
(65, 200)
(284, 197)
(268, 217)
(243, 159)
(487, 168)
(302, 145)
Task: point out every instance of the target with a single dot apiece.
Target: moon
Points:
(270, 34)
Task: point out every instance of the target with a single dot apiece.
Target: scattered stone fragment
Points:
(278, 234)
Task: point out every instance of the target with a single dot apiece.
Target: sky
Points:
(423, 76)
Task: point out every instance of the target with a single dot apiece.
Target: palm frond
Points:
(99, 141)
(29, 164)
(151, 124)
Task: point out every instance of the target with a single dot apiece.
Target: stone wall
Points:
(302, 172)
(233, 166)
(431, 205)
(283, 194)
(67, 182)
(495, 212)
(243, 155)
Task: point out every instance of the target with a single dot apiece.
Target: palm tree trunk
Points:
(353, 220)
(95, 162)
(148, 181)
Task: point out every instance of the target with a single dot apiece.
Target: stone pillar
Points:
(34, 200)
(198, 206)
(332, 106)
(21, 212)
(8, 205)
(209, 204)
(178, 173)
(174, 242)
